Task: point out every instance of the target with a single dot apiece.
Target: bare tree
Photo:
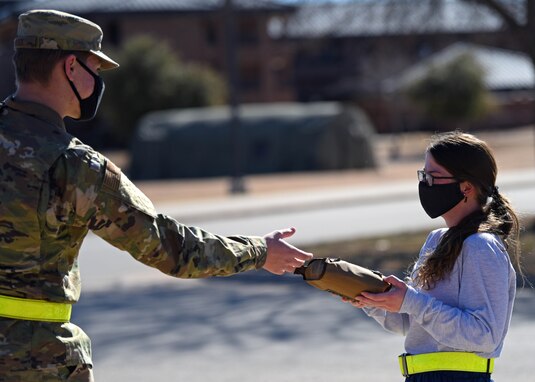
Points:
(518, 17)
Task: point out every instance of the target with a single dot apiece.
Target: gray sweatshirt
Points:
(468, 311)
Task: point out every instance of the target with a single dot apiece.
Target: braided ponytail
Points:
(503, 221)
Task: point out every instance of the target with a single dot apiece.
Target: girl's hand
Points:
(390, 301)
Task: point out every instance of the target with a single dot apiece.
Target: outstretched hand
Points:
(282, 256)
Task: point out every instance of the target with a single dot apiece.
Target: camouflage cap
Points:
(50, 29)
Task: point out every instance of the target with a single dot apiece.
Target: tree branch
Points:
(501, 10)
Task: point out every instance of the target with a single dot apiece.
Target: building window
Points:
(113, 34)
(248, 32)
(250, 76)
(210, 33)
(280, 71)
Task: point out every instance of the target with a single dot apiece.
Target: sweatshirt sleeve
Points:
(479, 321)
(393, 322)
(399, 322)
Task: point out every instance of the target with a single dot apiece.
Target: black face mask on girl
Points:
(89, 105)
(438, 199)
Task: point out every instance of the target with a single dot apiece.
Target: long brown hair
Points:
(468, 158)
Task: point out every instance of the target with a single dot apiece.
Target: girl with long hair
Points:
(456, 305)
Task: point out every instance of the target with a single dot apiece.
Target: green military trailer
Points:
(283, 137)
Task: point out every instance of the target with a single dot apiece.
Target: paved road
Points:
(256, 327)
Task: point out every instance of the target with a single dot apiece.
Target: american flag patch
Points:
(112, 177)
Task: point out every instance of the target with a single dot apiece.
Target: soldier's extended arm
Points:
(106, 202)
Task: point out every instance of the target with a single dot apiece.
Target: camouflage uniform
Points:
(54, 189)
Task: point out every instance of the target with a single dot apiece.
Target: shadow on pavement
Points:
(239, 313)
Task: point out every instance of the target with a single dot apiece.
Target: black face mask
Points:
(89, 105)
(439, 198)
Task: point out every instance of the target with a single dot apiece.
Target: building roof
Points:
(392, 17)
(81, 7)
(503, 69)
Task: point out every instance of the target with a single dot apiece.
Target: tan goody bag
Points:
(342, 278)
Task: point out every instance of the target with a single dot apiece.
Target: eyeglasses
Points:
(430, 179)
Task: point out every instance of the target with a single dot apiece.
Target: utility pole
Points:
(237, 185)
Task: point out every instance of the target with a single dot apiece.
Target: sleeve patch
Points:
(94, 163)
(112, 177)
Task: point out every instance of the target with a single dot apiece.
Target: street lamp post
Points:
(237, 183)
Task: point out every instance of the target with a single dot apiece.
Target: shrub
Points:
(151, 77)
(454, 92)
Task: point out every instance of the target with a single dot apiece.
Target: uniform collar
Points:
(37, 110)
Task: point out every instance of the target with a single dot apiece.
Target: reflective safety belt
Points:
(34, 310)
(444, 361)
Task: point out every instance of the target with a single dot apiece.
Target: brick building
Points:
(308, 52)
(195, 29)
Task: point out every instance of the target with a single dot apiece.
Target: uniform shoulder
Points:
(81, 154)
(79, 165)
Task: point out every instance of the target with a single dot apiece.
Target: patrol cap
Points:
(50, 29)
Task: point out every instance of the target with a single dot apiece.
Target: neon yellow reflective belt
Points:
(34, 310)
(444, 361)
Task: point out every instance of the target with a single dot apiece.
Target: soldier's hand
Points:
(282, 256)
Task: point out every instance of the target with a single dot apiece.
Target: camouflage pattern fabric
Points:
(80, 373)
(50, 29)
(53, 190)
